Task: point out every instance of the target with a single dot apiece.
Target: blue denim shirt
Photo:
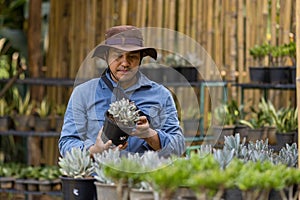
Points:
(89, 101)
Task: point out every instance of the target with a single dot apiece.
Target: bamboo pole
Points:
(217, 23)
(124, 9)
(240, 42)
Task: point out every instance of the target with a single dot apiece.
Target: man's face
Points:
(123, 65)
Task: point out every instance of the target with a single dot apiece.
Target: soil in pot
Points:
(114, 132)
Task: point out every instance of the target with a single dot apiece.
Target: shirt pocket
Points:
(155, 114)
(94, 123)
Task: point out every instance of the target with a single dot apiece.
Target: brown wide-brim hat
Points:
(125, 38)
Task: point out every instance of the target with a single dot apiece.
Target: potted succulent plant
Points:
(276, 69)
(119, 176)
(286, 122)
(42, 118)
(119, 121)
(227, 116)
(5, 111)
(279, 72)
(23, 108)
(259, 73)
(77, 181)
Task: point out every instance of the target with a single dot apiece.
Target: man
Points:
(157, 130)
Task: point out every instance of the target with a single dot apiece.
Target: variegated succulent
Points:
(76, 163)
(124, 112)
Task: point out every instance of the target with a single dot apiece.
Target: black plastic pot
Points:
(242, 130)
(279, 74)
(188, 73)
(259, 74)
(285, 138)
(221, 131)
(172, 75)
(116, 133)
(255, 134)
(78, 189)
(154, 74)
(292, 74)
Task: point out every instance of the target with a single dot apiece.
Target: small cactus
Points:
(124, 112)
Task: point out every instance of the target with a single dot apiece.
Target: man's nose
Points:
(124, 60)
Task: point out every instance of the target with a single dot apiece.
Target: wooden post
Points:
(35, 64)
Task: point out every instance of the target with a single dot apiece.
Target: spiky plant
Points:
(124, 112)
(4, 108)
(43, 109)
(76, 163)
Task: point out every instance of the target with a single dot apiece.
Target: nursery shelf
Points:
(30, 133)
(26, 192)
(263, 86)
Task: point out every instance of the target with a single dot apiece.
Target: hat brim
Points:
(101, 50)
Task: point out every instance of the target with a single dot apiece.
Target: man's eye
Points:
(133, 56)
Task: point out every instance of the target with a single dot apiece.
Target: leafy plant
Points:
(170, 177)
(43, 109)
(124, 112)
(23, 106)
(5, 109)
(277, 55)
(258, 118)
(286, 119)
(60, 109)
(259, 52)
(229, 113)
(256, 179)
(76, 163)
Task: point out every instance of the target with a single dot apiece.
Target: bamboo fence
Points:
(227, 29)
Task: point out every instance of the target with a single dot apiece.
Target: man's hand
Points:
(144, 131)
(100, 146)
